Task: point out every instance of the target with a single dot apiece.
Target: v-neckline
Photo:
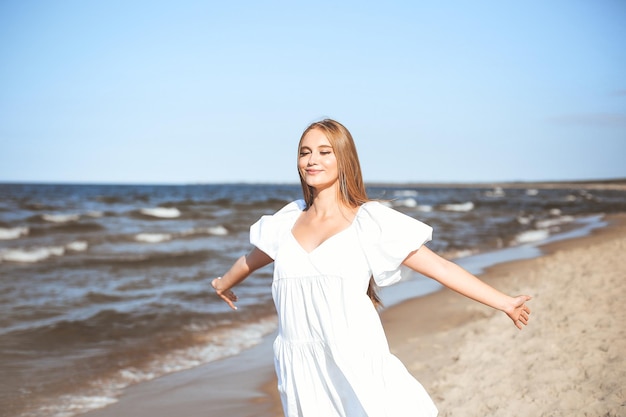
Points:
(329, 238)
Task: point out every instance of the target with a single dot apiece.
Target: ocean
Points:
(105, 286)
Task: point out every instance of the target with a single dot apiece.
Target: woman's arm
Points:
(240, 270)
(451, 275)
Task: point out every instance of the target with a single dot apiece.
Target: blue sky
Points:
(192, 91)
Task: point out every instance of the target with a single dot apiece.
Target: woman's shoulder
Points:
(379, 215)
(375, 208)
(295, 206)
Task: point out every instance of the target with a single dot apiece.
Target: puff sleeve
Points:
(267, 233)
(387, 238)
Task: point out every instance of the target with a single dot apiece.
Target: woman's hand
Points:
(228, 296)
(518, 311)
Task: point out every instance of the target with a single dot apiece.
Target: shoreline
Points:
(244, 385)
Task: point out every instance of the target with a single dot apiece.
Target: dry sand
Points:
(472, 360)
(570, 360)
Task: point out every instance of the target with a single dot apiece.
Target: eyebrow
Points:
(319, 147)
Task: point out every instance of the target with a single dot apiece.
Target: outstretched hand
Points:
(519, 311)
(228, 296)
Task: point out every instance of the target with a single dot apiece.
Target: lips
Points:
(313, 171)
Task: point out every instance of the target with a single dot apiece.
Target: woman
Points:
(329, 250)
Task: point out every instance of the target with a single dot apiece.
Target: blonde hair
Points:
(351, 190)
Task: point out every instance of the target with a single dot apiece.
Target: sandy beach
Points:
(472, 360)
(568, 362)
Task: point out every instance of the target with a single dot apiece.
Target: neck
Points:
(326, 203)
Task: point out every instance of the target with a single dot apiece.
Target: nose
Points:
(312, 159)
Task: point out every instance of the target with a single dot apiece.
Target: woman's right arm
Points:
(240, 270)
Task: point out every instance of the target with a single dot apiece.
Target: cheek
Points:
(331, 163)
(301, 165)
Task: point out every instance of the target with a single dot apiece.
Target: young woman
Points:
(330, 250)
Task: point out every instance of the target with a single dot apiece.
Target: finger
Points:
(229, 302)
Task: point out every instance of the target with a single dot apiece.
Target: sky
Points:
(210, 92)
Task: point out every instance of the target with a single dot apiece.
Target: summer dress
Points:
(331, 354)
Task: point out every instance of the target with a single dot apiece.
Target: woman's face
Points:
(318, 162)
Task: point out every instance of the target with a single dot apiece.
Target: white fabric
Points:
(331, 354)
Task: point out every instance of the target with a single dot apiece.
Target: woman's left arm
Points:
(451, 275)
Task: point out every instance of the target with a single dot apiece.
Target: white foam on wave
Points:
(467, 206)
(60, 218)
(525, 220)
(548, 223)
(405, 202)
(153, 237)
(72, 405)
(31, 255)
(161, 212)
(164, 237)
(78, 246)
(497, 192)
(38, 254)
(217, 230)
(405, 193)
(531, 236)
(532, 191)
(13, 233)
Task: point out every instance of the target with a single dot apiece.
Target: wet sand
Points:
(471, 359)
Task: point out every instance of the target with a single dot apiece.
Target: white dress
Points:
(331, 353)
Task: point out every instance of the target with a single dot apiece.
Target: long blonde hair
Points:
(351, 190)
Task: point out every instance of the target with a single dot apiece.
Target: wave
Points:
(405, 193)
(218, 230)
(66, 228)
(497, 192)
(78, 246)
(31, 255)
(150, 260)
(95, 214)
(549, 223)
(165, 237)
(161, 212)
(467, 206)
(38, 254)
(531, 236)
(153, 237)
(405, 202)
(412, 203)
(60, 218)
(13, 232)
